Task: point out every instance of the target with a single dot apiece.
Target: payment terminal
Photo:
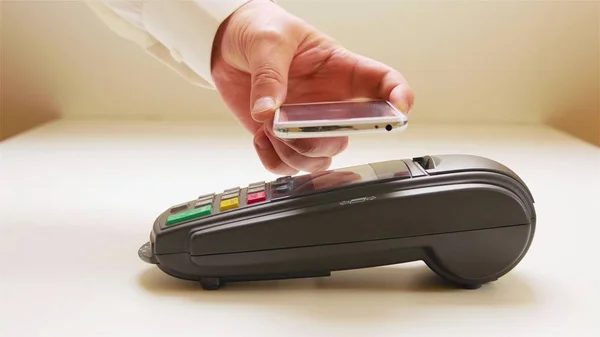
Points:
(469, 218)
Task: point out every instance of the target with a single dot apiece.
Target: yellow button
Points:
(229, 203)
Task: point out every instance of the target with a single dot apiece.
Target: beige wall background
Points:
(469, 61)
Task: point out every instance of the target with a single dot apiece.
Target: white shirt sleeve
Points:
(180, 33)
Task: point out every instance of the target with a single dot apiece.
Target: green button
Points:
(189, 215)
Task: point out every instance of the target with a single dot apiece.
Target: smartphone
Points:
(335, 119)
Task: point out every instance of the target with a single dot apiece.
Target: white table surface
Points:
(77, 199)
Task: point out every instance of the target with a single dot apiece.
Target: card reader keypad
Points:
(209, 204)
(230, 199)
(229, 203)
(204, 200)
(255, 197)
(201, 207)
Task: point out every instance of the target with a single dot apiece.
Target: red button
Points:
(256, 197)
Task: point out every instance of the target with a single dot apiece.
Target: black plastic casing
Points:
(469, 218)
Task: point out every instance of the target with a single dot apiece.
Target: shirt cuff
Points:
(188, 28)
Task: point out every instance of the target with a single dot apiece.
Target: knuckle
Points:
(291, 157)
(269, 35)
(276, 166)
(266, 74)
(307, 149)
(310, 147)
(295, 160)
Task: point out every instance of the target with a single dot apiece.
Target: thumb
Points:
(269, 62)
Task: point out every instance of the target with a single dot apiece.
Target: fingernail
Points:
(263, 104)
(402, 107)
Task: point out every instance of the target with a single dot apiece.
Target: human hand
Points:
(264, 56)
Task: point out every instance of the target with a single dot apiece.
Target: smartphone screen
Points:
(336, 111)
